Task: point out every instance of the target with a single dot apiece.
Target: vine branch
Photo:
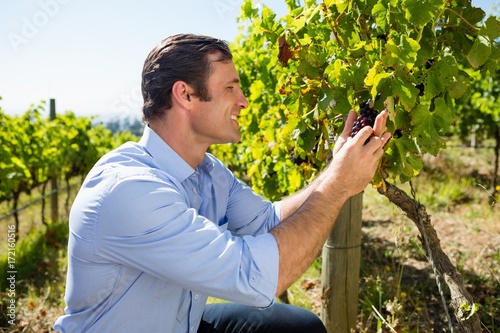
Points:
(460, 297)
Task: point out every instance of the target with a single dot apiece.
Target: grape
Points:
(367, 115)
(296, 160)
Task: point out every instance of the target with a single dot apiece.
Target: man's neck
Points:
(180, 141)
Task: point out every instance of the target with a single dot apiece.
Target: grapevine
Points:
(33, 149)
(303, 72)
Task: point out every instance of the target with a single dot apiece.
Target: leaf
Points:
(473, 15)
(406, 152)
(332, 71)
(459, 86)
(306, 69)
(406, 92)
(380, 14)
(439, 76)
(392, 161)
(428, 126)
(341, 4)
(402, 54)
(421, 12)
(284, 51)
(269, 23)
(248, 10)
(377, 78)
(295, 179)
(358, 50)
(297, 24)
(427, 46)
(443, 116)
(481, 50)
(492, 26)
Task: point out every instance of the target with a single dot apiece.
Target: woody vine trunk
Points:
(461, 301)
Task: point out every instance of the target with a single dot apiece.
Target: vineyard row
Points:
(35, 148)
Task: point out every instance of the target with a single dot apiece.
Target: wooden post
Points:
(54, 205)
(340, 271)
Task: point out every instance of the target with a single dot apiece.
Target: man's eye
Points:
(230, 87)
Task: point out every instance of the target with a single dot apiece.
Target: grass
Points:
(40, 272)
(398, 291)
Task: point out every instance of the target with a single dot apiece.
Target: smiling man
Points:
(160, 225)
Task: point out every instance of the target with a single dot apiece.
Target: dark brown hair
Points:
(181, 57)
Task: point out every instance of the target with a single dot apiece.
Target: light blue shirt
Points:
(151, 238)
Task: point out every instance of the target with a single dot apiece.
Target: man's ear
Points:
(182, 93)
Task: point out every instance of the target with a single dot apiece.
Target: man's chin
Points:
(236, 138)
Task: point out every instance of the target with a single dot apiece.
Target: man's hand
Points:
(378, 130)
(354, 160)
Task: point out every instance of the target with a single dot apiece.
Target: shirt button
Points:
(195, 296)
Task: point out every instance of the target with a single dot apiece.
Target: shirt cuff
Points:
(265, 267)
(277, 210)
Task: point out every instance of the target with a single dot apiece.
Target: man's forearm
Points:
(290, 204)
(301, 236)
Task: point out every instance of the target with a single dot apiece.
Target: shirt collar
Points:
(168, 159)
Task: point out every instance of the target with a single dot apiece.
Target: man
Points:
(160, 225)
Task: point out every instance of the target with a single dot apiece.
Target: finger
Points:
(385, 137)
(380, 123)
(351, 118)
(363, 135)
(374, 144)
(346, 132)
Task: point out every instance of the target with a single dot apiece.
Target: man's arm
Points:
(309, 215)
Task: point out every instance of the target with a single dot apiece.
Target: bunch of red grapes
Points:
(367, 115)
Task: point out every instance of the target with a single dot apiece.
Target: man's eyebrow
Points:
(235, 80)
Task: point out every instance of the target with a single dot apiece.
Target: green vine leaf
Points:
(401, 52)
(439, 76)
(405, 90)
(481, 50)
(381, 15)
(492, 27)
(421, 12)
(428, 124)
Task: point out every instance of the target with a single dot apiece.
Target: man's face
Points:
(215, 121)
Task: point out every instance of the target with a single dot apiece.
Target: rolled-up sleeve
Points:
(264, 276)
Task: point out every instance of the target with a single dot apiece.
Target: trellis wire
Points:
(426, 241)
(34, 201)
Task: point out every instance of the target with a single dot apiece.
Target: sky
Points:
(88, 55)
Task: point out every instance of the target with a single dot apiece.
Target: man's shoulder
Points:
(130, 154)
(129, 162)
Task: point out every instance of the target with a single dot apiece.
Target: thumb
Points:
(346, 132)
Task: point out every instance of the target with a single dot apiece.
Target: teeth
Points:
(233, 117)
